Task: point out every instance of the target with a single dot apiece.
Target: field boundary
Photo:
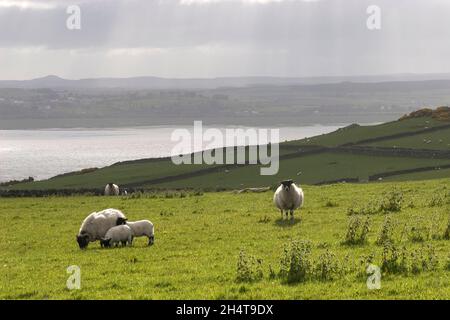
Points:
(406, 171)
(398, 135)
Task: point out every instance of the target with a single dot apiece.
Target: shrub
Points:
(295, 265)
(423, 259)
(249, 268)
(391, 201)
(388, 202)
(364, 262)
(357, 231)
(272, 273)
(418, 231)
(430, 261)
(326, 267)
(394, 260)
(387, 232)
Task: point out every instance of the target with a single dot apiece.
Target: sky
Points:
(222, 38)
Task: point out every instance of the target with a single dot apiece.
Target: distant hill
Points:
(98, 103)
(410, 149)
(149, 82)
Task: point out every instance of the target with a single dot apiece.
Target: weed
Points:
(357, 231)
(386, 232)
(391, 201)
(296, 263)
(418, 231)
(249, 268)
(326, 267)
(394, 260)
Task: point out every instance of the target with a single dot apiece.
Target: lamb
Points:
(112, 189)
(143, 228)
(288, 197)
(95, 226)
(118, 234)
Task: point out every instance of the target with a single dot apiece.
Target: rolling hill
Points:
(407, 149)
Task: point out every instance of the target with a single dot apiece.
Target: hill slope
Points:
(355, 153)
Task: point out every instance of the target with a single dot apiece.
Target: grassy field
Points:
(198, 239)
(357, 133)
(438, 140)
(309, 169)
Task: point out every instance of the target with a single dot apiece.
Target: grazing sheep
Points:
(143, 228)
(95, 226)
(118, 234)
(112, 189)
(288, 197)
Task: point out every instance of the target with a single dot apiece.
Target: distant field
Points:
(306, 170)
(437, 140)
(357, 133)
(322, 159)
(198, 240)
(436, 174)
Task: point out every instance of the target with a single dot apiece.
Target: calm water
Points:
(45, 153)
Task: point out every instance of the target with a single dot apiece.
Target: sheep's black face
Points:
(287, 184)
(105, 243)
(120, 221)
(83, 241)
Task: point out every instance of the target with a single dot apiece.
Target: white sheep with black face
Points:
(143, 228)
(118, 234)
(288, 197)
(95, 226)
(112, 189)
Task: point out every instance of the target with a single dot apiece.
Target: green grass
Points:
(121, 173)
(437, 140)
(310, 169)
(357, 133)
(197, 243)
(435, 174)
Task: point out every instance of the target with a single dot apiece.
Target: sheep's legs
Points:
(282, 216)
(292, 214)
(151, 240)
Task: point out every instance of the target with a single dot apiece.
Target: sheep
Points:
(288, 197)
(95, 226)
(112, 189)
(143, 228)
(118, 234)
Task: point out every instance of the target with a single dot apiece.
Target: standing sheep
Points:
(143, 228)
(95, 226)
(112, 189)
(288, 197)
(118, 234)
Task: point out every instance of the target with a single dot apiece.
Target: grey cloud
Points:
(296, 37)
